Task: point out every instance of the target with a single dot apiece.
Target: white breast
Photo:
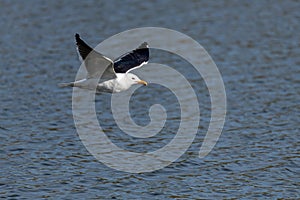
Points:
(118, 84)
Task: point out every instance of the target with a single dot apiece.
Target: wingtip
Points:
(144, 45)
(77, 36)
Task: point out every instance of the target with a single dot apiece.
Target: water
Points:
(254, 44)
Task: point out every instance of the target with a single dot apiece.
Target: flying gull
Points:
(106, 75)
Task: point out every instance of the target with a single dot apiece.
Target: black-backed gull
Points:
(106, 75)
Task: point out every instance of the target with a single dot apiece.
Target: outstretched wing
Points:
(133, 59)
(82, 48)
(97, 65)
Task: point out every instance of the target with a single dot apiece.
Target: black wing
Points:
(133, 59)
(83, 48)
(97, 65)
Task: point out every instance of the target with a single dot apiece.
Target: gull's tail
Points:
(66, 84)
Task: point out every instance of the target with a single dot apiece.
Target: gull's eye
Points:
(133, 78)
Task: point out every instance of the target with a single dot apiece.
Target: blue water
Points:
(256, 47)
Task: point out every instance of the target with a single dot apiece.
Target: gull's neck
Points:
(122, 82)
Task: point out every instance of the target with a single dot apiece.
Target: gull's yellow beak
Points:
(142, 82)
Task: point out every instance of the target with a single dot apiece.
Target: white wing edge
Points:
(144, 63)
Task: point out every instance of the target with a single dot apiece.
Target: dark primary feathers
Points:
(96, 64)
(83, 48)
(123, 64)
(133, 59)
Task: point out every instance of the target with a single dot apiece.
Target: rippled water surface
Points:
(256, 47)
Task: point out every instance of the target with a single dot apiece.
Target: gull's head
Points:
(134, 79)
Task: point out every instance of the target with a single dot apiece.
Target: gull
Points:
(106, 75)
